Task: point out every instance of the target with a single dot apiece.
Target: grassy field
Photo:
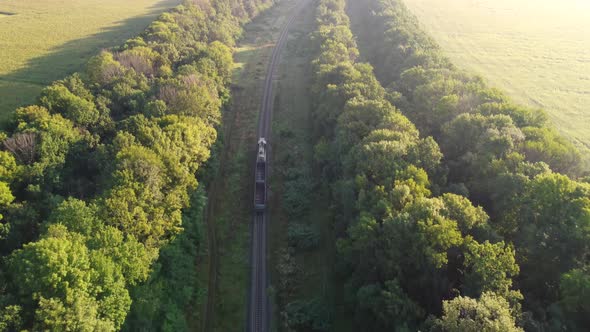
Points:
(536, 50)
(44, 40)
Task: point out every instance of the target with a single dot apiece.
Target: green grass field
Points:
(536, 50)
(44, 40)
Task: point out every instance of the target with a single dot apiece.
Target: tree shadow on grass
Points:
(21, 87)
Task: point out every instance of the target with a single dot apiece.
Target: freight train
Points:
(260, 181)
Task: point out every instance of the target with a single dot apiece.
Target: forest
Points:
(99, 174)
(451, 208)
(456, 209)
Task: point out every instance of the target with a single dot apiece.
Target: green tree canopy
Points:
(490, 313)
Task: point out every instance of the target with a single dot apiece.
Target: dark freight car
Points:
(260, 181)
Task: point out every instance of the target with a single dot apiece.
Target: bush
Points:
(302, 237)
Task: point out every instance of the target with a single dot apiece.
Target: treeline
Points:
(170, 299)
(502, 156)
(409, 259)
(94, 178)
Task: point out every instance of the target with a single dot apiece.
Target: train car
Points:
(260, 181)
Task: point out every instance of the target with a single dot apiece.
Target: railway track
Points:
(258, 304)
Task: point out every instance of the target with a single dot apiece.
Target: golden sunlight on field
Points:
(536, 50)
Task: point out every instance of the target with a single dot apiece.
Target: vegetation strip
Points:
(414, 261)
(300, 250)
(503, 156)
(96, 175)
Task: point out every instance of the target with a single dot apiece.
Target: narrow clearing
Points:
(230, 194)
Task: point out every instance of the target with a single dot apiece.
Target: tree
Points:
(192, 95)
(436, 233)
(10, 318)
(133, 258)
(361, 116)
(144, 201)
(544, 144)
(311, 315)
(143, 60)
(76, 216)
(553, 234)
(77, 313)
(471, 219)
(55, 135)
(490, 267)
(574, 298)
(384, 152)
(67, 286)
(6, 198)
(181, 140)
(57, 98)
(221, 55)
(387, 308)
(491, 313)
(22, 146)
(8, 167)
(104, 69)
(522, 116)
(471, 142)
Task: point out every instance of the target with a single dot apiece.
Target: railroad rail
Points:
(258, 304)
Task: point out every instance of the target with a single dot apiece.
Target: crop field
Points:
(538, 51)
(44, 40)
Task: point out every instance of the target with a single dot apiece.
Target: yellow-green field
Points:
(44, 40)
(536, 50)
